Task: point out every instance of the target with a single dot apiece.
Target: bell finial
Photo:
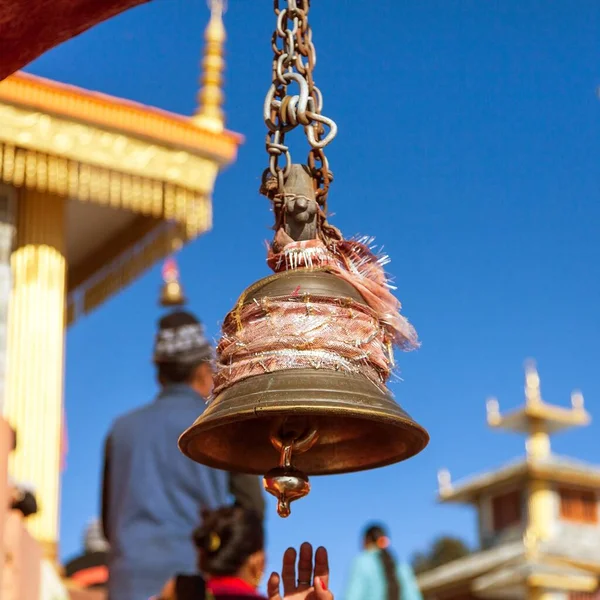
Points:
(172, 292)
(209, 114)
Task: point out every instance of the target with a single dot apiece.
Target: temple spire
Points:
(533, 393)
(209, 114)
(537, 419)
(171, 292)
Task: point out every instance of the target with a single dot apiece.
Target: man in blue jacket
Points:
(152, 495)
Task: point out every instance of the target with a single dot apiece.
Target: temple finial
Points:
(172, 292)
(493, 411)
(577, 400)
(209, 114)
(532, 383)
(444, 482)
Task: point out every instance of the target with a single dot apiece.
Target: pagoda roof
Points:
(513, 579)
(121, 114)
(138, 180)
(559, 469)
(469, 567)
(550, 417)
(504, 570)
(28, 28)
(580, 551)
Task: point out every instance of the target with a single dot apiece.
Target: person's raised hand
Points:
(312, 582)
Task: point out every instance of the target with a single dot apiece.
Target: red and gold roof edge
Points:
(127, 116)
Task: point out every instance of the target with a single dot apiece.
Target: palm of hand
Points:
(303, 594)
(302, 588)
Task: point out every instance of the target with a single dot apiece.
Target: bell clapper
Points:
(285, 482)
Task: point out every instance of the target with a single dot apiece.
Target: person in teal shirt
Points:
(375, 575)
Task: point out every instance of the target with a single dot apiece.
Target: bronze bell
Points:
(326, 421)
(317, 421)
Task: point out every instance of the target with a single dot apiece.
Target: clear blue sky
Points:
(469, 145)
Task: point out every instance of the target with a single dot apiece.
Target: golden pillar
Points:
(540, 504)
(540, 508)
(36, 355)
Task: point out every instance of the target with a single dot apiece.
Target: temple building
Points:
(94, 190)
(537, 517)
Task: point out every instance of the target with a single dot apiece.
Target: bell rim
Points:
(420, 437)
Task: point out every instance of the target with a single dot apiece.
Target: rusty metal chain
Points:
(293, 65)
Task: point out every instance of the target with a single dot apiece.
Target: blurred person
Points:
(375, 575)
(151, 493)
(89, 570)
(23, 498)
(231, 558)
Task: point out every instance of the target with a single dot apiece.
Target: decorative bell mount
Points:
(305, 353)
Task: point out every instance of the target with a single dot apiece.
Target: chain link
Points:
(294, 61)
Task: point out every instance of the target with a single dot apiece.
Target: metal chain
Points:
(293, 63)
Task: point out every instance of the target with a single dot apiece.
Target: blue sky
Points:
(469, 146)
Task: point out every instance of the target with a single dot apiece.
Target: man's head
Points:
(93, 538)
(182, 354)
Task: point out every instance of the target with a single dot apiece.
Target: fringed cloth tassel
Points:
(355, 262)
(299, 331)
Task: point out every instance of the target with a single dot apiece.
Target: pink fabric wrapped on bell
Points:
(356, 263)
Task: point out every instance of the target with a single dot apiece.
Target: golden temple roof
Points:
(537, 420)
(138, 180)
(559, 469)
(129, 117)
(536, 413)
(493, 572)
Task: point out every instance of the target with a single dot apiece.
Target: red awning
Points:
(28, 28)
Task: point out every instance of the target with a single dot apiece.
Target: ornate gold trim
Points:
(93, 108)
(69, 178)
(106, 149)
(39, 152)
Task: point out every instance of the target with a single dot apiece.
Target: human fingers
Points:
(288, 572)
(273, 587)
(305, 567)
(322, 565)
(321, 591)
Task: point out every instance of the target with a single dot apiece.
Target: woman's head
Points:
(230, 542)
(376, 538)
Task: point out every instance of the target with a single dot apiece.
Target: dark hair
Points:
(227, 538)
(177, 372)
(373, 535)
